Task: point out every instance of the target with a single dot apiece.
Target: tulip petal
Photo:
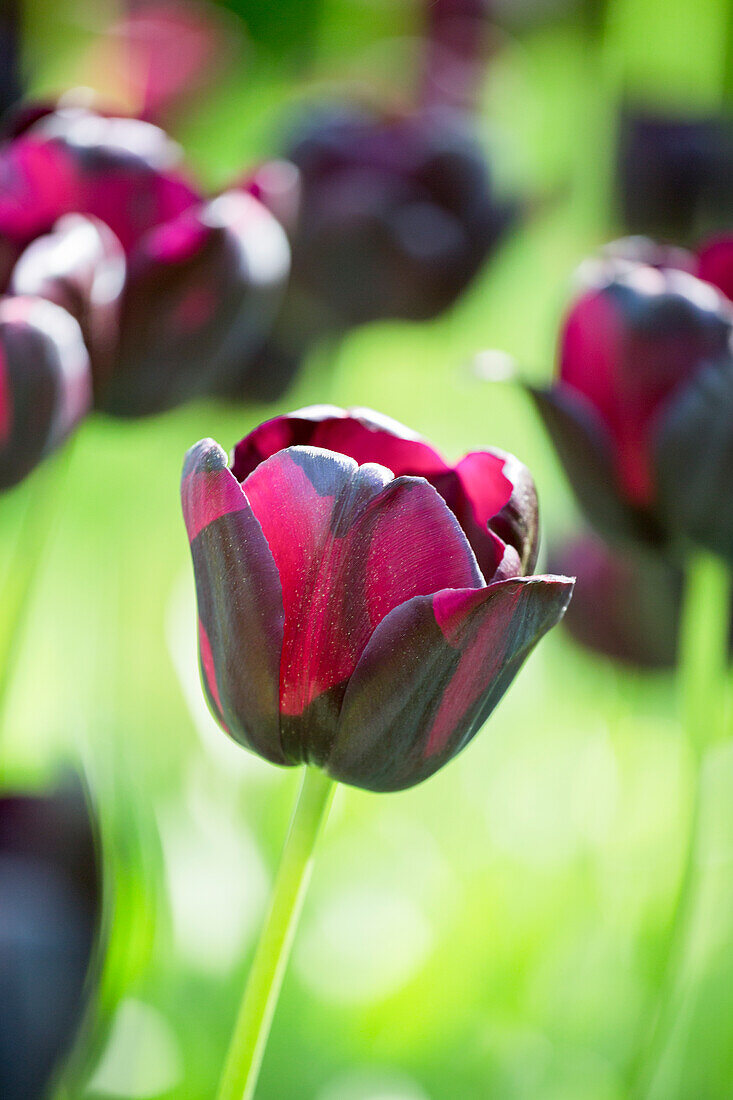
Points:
(584, 448)
(498, 498)
(240, 602)
(694, 460)
(361, 434)
(45, 383)
(350, 543)
(432, 673)
(81, 267)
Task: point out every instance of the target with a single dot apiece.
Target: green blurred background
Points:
(496, 932)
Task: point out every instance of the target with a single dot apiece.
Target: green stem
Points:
(703, 653)
(43, 497)
(241, 1070)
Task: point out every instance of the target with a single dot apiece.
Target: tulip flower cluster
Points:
(642, 411)
(157, 293)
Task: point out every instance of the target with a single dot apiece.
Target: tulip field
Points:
(366, 444)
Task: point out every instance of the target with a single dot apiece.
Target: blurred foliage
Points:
(493, 933)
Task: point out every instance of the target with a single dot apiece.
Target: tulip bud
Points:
(201, 295)
(45, 383)
(50, 885)
(396, 215)
(640, 414)
(362, 604)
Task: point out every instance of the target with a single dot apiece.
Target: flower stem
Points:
(242, 1066)
(703, 654)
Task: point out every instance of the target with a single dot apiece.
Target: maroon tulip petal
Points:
(583, 445)
(81, 267)
(239, 600)
(45, 383)
(350, 543)
(361, 434)
(432, 673)
(497, 508)
(715, 264)
(38, 183)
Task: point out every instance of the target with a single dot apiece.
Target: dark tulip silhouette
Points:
(363, 605)
(397, 214)
(51, 891)
(45, 383)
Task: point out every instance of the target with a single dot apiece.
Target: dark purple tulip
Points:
(362, 618)
(397, 215)
(675, 174)
(80, 266)
(201, 296)
(50, 886)
(124, 171)
(626, 603)
(641, 412)
(45, 383)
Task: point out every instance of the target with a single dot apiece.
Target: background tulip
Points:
(626, 602)
(397, 214)
(124, 171)
(674, 172)
(81, 267)
(382, 665)
(645, 369)
(50, 884)
(45, 383)
(201, 296)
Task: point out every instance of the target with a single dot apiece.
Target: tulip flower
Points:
(641, 411)
(675, 174)
(397, 215)
(45, 383)
(626, 602)
(363, 605)
(201, 297)
(123, 171)
(50, 885)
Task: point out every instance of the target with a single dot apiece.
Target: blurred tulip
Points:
(80, 266)
(124, 171)
(626, 603)
(51, 890)
(363, 618)
(201, 296)
(45, 383)
(675, 174)
(642, 412)
(397, 215)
